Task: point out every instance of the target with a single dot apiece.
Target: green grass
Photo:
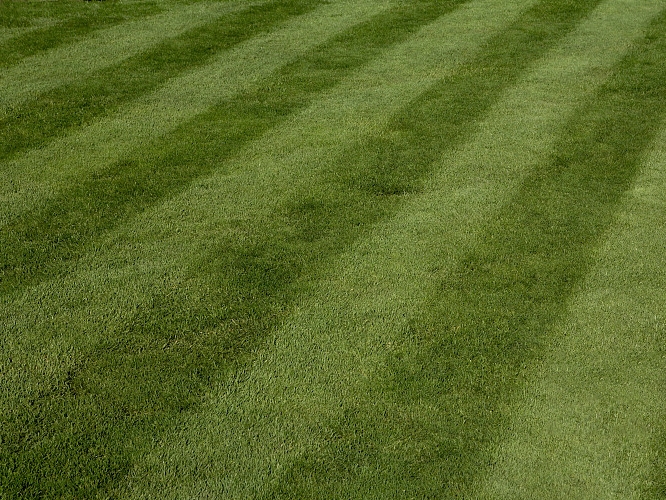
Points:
(489, 316)
(609, 346)
(55, 232)
(252, 262)
(78, 103)
(60, 24)
(74, 62)
(135, 124)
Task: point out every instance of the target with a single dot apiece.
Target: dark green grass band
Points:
(492, 316)
(77, 20)
(161, 346)
(77, 104)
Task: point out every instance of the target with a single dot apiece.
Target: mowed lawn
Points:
(333, 249)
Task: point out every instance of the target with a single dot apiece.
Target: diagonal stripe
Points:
(42, 72)
(483, 299)
(221, 206)
(7, 34)
(37, 176)
(77, 104)
(281, 404)
(281, 153)
(589, 418)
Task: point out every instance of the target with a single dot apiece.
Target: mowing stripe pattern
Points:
(40, 27)
(590, 421)
(281, 406)
(59, 65)
(36, 176)
(77, 103)
(306, 249)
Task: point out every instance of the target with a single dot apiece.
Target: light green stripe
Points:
(249, 429)
(9, 33)
(587, 423)
(64, 64)
(34, 178)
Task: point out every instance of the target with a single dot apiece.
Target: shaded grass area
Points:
(78, 103)
(68, 22)
(428, 423)
(81, 436)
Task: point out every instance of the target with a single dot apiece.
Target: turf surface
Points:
(344, 249)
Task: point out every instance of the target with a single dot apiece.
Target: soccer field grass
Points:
(333, 249)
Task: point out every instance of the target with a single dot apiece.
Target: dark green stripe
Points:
(132, 387)
(466, 352)
(79, 103)
(75, 20)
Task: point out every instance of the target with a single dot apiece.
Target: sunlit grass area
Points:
(332, 249)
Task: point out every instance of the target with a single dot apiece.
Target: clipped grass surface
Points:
(32, 179)
(74, 62)
(489, 317)
(255, 264)
(285, 410)
(590, 418)
(332, 276)
(65, 23)
(78, 103)
(67, 223)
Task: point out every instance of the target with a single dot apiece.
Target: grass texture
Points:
(344, 249)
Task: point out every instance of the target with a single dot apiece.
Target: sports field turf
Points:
(333, 249)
